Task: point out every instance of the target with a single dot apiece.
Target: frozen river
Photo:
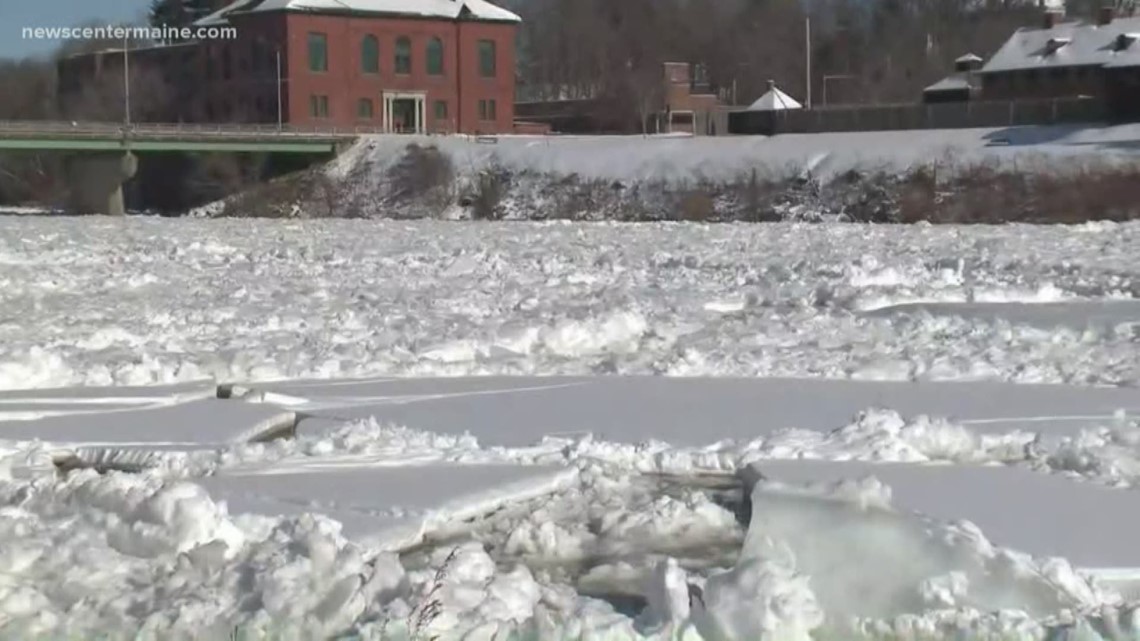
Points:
(666, 431)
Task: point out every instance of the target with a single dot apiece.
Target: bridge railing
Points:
(103, 129)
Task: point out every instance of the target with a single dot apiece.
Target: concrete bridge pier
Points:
(97, 182)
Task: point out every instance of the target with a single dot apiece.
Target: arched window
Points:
(370, 55)
(403, 55)
(435, 57)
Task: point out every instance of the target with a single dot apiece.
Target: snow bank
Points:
(668, 158)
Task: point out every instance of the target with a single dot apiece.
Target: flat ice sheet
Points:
(1043, 514)
(688, 411)
(126, 394)
(203, 422)
(394, 507)
(1077, 314)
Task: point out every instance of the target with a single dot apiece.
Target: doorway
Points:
(404, 113)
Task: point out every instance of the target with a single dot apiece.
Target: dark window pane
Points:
(435, 57)
(403, 55)
(487, 61)
(318, 52)
(370, 55)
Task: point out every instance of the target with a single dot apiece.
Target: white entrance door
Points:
(404, 112)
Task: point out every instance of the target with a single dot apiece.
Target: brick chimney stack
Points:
(1106, 16)
(1051, 17)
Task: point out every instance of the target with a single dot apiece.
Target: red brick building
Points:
(429, 66)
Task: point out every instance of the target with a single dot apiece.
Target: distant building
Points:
(683, 103)
(1068, 59)
(774, 100)
(398, 65)
(690, 104)
(960, 86)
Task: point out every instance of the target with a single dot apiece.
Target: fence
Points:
(919, 116)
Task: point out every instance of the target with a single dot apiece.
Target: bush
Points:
(490, 188)
(1052, 194)
(423, 174)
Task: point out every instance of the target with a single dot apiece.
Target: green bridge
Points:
(104, 153)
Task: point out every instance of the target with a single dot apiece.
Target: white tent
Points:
(774, 100)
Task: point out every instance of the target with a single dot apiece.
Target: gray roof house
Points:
(1109, 42)
(959, 86)
(1070, 59)
(1057, 48)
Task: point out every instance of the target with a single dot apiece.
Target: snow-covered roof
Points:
(448, 9)
(774, 100)
(956, 82)
(1070, 44)
(968, 58)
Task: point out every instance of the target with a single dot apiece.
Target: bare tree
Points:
(893, 48)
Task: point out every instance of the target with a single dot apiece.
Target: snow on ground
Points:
(12, 210)
(536, 497)
(145, 301)
(670, 158)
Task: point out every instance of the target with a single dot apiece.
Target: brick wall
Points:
(236, 81)
(459, 89)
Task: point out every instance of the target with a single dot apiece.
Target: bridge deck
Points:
(89, 136)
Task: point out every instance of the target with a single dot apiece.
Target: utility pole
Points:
(280, 111)
(807, 55)
(126, 82)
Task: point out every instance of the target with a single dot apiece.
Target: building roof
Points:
(774, 100)
(448, 9)
(1070, 44)
(955, 82)
(969, 58)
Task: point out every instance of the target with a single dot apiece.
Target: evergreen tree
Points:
(167, 13)
(198, 9)
(179, 13)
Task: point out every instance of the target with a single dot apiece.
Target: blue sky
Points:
(16, 14)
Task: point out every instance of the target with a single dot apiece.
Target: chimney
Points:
(1106, 16)
(1051, 18)
(771, 85)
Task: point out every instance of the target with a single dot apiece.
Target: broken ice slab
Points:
(1071, 314)
(31, 404)
(186, 424)
(1046, 515)
(393, 508)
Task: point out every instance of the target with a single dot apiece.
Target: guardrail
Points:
(175, 130)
